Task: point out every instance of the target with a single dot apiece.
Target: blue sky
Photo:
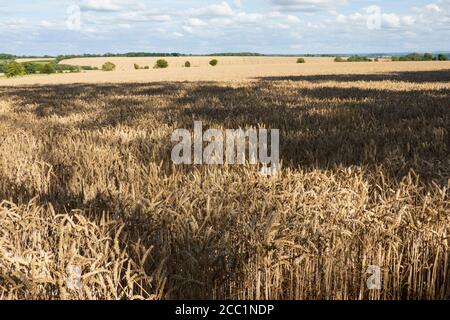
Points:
(189, 26)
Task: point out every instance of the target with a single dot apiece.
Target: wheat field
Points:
(127, 63)
(229, 69)
(86, 182)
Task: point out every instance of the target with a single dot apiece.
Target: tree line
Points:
(14, 69)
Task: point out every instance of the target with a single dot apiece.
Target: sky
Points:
(39, 27)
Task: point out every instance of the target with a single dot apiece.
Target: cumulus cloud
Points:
(307, 5)
(215, 10)
(292, 18)
(434, 13)
(195, 22)
(371, 16)
(177, 34)
(410, 34)
(100, 5)
(408, 20)
(47, 24)
(432, 7)
(215, 19)
(238, 3)
(391, 19)
(188, 29)
(222, 15)
(352, 19)
(126, 18)
(244, 17)
(14, 23)
(320, 25)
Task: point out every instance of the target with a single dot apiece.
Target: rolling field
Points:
(87, 183)
(230, 69)
(34, 60)
(127, 63)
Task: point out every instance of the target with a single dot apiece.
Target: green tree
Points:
(358, 59)
(14, 69)
(301, 60)
(161, 64)
(187, 64)
(339, 59)
(88, 68)
(412, 57)
(30, 68)
(442, 57)
(136, 66)
(109, 66)
(47, 69)
(427, 57)
(5, 56)
(214, 62)
(65, 68)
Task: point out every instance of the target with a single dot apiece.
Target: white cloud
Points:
(352, 19)
(196, 22)
(410, 34)
(282, 26)
(315, 25)
(390, 19)
(222, 22)
(100, 5)
(160, 18)
(222, 25)
(218, 10)
(14, 23)
(293, 19)
(244, 17)
(219, 16)
(432, 7)
(188, 29)
(340, 18)
(408, 20)
(46, 24)
(125, 18)
(434, 14)
(112, 5)
(177, 34)
(308, 5)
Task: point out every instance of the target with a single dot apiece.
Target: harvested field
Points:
(127, 63)
(34, 59)
(87, 182)
(230, 73)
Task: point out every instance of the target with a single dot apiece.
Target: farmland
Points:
(87, 182)
(229, 69)
(126, 63)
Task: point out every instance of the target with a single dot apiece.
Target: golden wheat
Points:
(87, 182)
